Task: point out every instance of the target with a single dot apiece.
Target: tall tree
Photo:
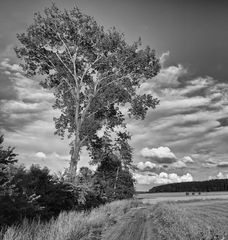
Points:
(92, 72)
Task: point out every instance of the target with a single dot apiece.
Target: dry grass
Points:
(167, 221)
(130, 220)
(170, 221)
(72, 225)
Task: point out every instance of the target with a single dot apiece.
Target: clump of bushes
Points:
(35, 193)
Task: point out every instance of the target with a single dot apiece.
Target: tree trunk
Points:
(75, 157)
(115, 184)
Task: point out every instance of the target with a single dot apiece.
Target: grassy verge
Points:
(72, 225)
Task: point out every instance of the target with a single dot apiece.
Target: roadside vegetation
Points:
(130, 220)
(72, 225)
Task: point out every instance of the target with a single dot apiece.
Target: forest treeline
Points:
(36, 193)
(195, 186)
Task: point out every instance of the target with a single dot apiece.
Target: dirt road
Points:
(167, 222)
(132, 226)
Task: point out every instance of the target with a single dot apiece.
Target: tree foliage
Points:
(92, 73)
(112, 181)
(7, 159)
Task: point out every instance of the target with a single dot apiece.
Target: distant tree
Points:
(194, 186)
(92, 72)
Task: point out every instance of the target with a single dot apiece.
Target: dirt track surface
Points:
(136, 225)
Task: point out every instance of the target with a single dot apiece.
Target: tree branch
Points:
(88, 68)
(68, 50)
(56, 53)
(53, 65)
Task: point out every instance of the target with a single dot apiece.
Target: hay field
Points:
(154, 198)
(195, 220)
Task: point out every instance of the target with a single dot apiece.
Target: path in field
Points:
(134, 226)
(151, 223)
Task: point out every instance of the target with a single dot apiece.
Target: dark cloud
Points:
(223, 121)
(7, 90)
(222, 165)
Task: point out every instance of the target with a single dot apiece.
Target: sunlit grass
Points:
(171, 221)
(163, 221)
(72, 225)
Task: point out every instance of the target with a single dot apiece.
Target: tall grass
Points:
(72, 225)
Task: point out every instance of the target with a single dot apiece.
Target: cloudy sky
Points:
(185, 138)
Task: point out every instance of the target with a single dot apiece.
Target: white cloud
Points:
(13, 67)
(221, 175)
(160, 154)
(187, 159)
(162, 178)
(164, 57)
(178, 164)
(144, 165)
(40, 155)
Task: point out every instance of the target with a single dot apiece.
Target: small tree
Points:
(112, 180)
(92, 72)
(7, 159)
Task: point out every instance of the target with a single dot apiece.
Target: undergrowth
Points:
(72, 225)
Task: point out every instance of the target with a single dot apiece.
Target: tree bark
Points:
(75, 157)
(115, 184)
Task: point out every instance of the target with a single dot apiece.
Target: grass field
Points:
(153, 198)
(174, 221)
(193, 219)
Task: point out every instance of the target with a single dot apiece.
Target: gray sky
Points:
(185, 137)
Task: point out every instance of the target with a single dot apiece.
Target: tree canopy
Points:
(92, 72)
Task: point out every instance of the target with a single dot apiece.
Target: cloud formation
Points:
(146, 165)
(187, 159)
(29, 101)
(222, 164)
(40, 155)
(161, 178)
(160, 154)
